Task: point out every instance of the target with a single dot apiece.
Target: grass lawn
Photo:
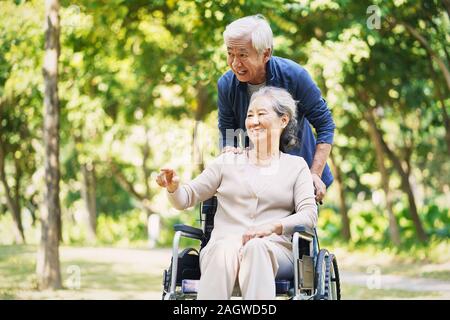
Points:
(435, 264)
(105, 273)
(354, 292)
(125, 273)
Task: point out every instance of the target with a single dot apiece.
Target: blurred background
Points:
(137, 92)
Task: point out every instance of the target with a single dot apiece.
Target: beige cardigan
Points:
(283, 188)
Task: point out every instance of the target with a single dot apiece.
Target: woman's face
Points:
(264, 126)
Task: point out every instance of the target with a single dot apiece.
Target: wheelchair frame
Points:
(316, 273)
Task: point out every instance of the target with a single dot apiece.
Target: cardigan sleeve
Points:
(305, 203)
(200, 189)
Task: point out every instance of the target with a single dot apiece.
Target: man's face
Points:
(245, 62)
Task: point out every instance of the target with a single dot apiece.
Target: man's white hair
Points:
(256, 26)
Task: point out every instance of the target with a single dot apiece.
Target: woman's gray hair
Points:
(256, 26)
(283, 104)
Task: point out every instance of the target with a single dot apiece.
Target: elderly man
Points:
(249, 43)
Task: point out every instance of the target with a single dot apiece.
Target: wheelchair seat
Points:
(189, 286)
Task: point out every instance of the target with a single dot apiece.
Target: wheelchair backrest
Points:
(207, 211)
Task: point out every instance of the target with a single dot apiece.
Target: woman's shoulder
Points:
(233, 160)
(229, 159)
(294, 162)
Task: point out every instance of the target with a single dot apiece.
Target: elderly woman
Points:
(262, 194)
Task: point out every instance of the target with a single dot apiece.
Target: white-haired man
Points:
(249, 43)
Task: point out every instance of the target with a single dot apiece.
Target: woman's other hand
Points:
(167, 178)
(262, 231)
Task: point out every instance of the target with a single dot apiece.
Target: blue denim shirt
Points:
(283, 73)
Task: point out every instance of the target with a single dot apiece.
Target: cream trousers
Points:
(254, 266)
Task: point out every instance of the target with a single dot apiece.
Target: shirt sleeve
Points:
(305, 203)
(315, 108)
(200, 189)
(227, 119)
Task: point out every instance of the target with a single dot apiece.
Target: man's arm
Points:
(315, 108)
(316, 111)
(320, 158)
(226, 115)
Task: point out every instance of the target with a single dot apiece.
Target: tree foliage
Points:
(138, 92)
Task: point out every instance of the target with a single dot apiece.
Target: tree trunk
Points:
(48, 267)
(202, 103)
(440, 96)
(446, 124)
(146, 156)
(393, 226)
(153, 219)
(405, 184)
(12, 202)
(345, 231)
(129, 187)
(446, 4)
(88, 193)
(18, 215)
(196, 150)
(32, 206)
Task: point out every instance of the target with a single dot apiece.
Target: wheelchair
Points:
(316, 273)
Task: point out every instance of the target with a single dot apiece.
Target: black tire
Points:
(335, 283)
(166, 281)
(322, 276)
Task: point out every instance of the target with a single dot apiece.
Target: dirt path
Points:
(388, 282)
(373, 280)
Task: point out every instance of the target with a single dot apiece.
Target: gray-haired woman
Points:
(262, 194)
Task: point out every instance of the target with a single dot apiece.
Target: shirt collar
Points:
(270, 77)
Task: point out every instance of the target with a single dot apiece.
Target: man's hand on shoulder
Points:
(232, 149)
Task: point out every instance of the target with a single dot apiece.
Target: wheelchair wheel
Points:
(335, 284)
(322, 276)
(326, 279)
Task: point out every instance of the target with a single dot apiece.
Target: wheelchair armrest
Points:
(189, 231)
(304, 230)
